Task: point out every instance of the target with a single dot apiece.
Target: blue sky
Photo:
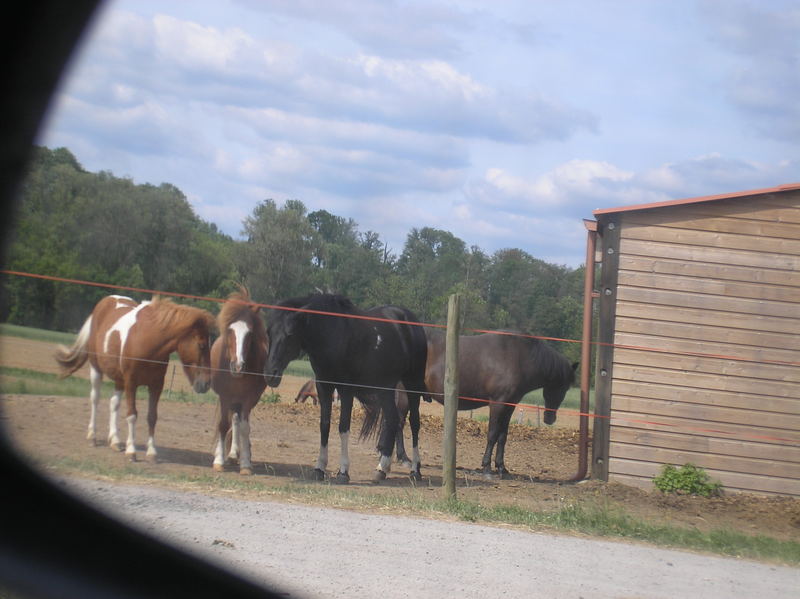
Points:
(505, 123)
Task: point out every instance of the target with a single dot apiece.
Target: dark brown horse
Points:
(496, 369)
(355, 356)
(237, 359)
(131, 343)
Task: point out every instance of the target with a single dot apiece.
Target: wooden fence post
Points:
(451, 396)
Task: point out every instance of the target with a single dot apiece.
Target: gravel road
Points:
(321, 553)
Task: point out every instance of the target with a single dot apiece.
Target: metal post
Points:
(451, 396)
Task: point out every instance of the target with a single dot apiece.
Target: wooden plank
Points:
(685, 364)
(711, 302)
(738, 432)
(752, 323)
(706, 415)
(711, 286)
(702, 443)
(694, 220)
(703, 382)
(707, 461)
(757, 362)
(728, 241)
(646, 484)
(686, 394)
(744, 482)
(778, 209)
(720, 272)
(697, 331)
(709, 255)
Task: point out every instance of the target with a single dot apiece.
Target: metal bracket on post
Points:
(451, 396)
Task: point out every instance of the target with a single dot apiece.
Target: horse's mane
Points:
(551, 363)
(168, 315)
(325, 302)
(238, 306)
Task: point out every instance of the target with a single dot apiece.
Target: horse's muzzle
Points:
(201, 386)
(273, 379)
(236, 369)
(549, 416)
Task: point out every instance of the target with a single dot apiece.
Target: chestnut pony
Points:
(237, 359)
(131, 343)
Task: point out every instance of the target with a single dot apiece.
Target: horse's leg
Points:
(96, 378)
(491, 437)
(130, 404)
(400, 444)
(325, 406)
(387, 435)
(236, 424)
(413, 405)
(345, 414)
(504, 419)
(113, 415)
(223, 424)
(152, 417)
(245, 465)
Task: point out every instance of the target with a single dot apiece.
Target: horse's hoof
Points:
(416, 475)
(380, 476)
(218, 467)
(405, 463)
(505, 474)
(131, 456)
(116, 446)
(341, 478)
(319, 474)
(246, 471)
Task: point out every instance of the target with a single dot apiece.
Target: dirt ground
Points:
(285, 442)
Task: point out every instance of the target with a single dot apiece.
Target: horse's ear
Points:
(255, 308)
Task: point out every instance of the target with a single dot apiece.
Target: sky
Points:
(505, 123)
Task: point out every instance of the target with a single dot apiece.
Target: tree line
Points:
(75, 224)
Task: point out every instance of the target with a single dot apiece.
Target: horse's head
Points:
(555, 392)
(193, 350)
(284, 332)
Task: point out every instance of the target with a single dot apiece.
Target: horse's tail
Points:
(372, 418)
(71, 358)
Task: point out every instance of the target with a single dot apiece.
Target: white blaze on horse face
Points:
(240, 330)
(123, 327)
(344, 459)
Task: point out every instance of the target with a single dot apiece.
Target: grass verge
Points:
(595, 521)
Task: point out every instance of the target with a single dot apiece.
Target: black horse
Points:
(354, 354)
(500, 368)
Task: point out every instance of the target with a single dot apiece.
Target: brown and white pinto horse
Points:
(131, 343)
(237, 359)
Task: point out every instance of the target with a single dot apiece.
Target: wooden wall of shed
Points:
(715, 288)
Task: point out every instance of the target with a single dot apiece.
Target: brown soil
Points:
(285, 441)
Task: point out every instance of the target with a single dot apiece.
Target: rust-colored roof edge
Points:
(697, 200)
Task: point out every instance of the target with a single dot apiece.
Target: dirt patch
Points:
(285, 441)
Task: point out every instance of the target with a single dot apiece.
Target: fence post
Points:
(451, 396)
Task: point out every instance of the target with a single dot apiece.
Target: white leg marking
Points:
(244, 446)
(235, 432)
(113, 412)
(415, 460)
(96, 379)
(385, 464)
(151, 447)
(219, 451)
(344, 458)
(322, 460)
(130, 446)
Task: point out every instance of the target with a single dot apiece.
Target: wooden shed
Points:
(699, 333)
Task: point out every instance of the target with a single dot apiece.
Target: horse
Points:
(309, 389)
(131, 344)
(355, 356)
(496, 369)
(237, 356)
